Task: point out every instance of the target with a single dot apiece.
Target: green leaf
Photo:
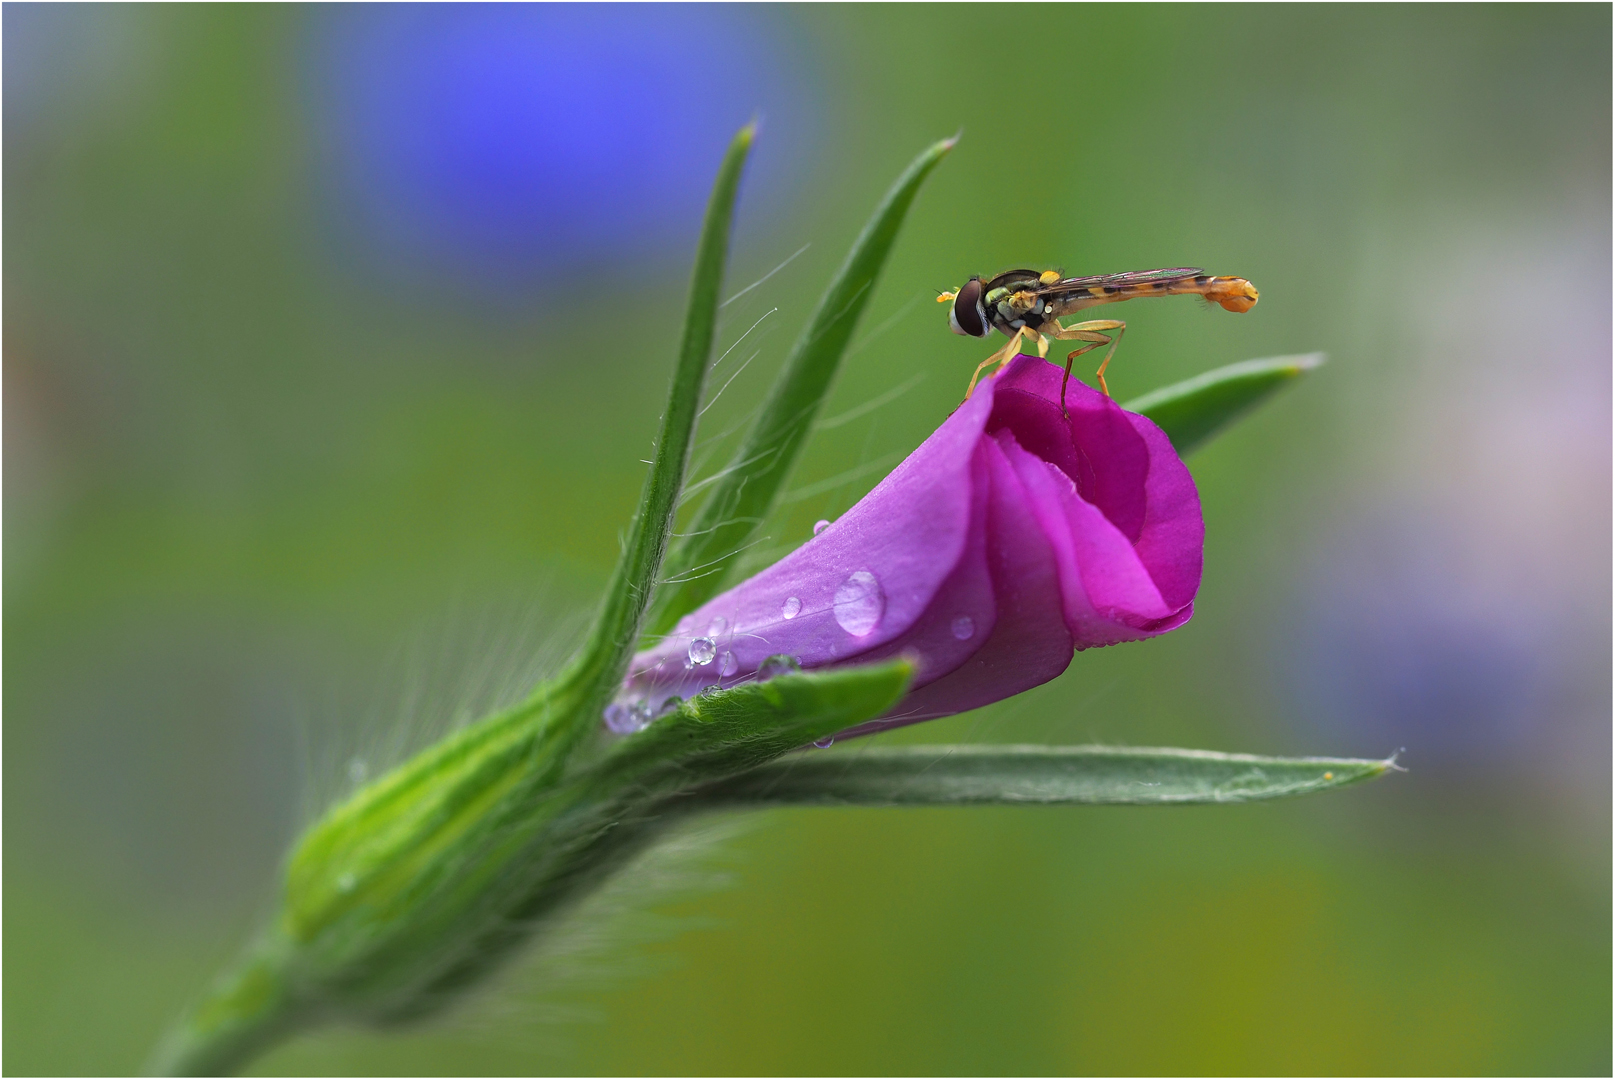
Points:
(1192, 411)
(743, 497)
(941, 775)
(611, 640)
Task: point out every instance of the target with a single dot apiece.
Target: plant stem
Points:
(243, 1015)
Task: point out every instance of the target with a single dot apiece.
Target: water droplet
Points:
(358, 771)
(819, 526)
(718, 626)
(727, 664)
(702, 651)
(860, 603)
(964, 628)
(346, 882)
(708, 691)
(825, 743)
(778, 664)
(792, 607)
(624, 718)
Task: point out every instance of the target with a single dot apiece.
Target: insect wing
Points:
(1116, 281)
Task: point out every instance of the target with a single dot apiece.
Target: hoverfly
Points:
(1028, 304)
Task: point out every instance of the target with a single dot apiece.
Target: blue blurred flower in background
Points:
(1459, 601)
(503, 143)
(1397, 643)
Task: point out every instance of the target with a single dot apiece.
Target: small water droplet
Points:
(964, 627)
(792, 607)
(727, 664)
(346, 882)
(708, 691)
(859, 603)
(825, 743)
(778, 664)
(717, 627)
(358, 770)
(702, 650)
(819, 526)
(623, 718)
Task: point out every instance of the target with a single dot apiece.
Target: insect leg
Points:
(1120, 328)
(1067, 377)
(1002, 356)
(1042, 344)
(1091, 332)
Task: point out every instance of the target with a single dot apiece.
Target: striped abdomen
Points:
(1233, 293)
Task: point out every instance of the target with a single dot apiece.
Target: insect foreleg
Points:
(1002, 356)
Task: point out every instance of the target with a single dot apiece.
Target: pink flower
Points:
(1010, 539)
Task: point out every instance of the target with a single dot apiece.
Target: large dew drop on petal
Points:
(859, 603)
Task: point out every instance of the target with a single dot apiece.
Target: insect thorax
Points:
(1014, 303)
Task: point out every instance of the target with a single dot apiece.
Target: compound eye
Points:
(967, 315)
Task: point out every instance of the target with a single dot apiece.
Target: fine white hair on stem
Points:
(705, 445)
(724, 524)
(885, 325)
(790, 259)
(725, 386)
(468, 661)
(742, 337)
(712, 567)
(601, 942)
(830, 483)
(872, 404)
(707, 481)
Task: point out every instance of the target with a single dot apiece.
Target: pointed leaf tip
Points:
(1192, 411)
(955, 775)
(618, 622)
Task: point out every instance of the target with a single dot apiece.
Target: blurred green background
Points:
(335, 338)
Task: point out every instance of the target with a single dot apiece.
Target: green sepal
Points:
(604, 814)
(745, 494)
(417, 884)
(731, 731)
(954, 775)
(611, 640)
(1192, 411)
(390, 839)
